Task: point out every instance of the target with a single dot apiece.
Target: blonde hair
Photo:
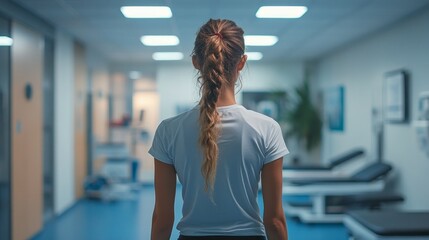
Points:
(218, 48)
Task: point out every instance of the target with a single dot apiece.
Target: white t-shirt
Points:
(247, 141)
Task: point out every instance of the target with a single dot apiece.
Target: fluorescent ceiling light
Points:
(146, 12)
(160, 40)
(167, 56)
(6, 41)
(281, 11)
(254, 56)
(260, 40)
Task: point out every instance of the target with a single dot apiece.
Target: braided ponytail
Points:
(218, 48)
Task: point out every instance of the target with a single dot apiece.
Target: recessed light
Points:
(146, 12)
(254, 56)
(160, 40)
(260, 40)
(6, 41)
(167, 56)
(281, 11)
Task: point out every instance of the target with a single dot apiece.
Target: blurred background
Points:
(85, 83)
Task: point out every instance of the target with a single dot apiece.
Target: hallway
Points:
(84, 86)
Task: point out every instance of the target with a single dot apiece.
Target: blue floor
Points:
(131, 219)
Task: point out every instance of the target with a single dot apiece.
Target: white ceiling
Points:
(328, 24)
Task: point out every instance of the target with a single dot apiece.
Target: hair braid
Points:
(212, 72)
(218, 47)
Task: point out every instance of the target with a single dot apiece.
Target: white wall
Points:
(177, 83)
(360, 68)
(64, 123)
(272, 76)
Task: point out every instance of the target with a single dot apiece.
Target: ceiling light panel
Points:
(167, 56)
(5, 41)
(281, 11)
(254, 56)
(260, 40)
(160, 40)
(146, 12)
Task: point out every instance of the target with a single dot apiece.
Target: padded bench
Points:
(369, 180)
(368, 174)
(341, 204)
(388, 225)
(334, 162)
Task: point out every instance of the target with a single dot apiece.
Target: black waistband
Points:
(181, 237)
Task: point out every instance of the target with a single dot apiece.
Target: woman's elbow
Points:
(275, 223)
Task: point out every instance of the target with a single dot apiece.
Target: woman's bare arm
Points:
(165, 191)
(274, 217)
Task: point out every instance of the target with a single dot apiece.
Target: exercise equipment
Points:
(387, 225)
(334, 169)
(364, 183)
(117, 177)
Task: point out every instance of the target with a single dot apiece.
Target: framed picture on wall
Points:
(334, 108)
(395, 97)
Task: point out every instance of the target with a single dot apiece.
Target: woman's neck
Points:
(226, 97)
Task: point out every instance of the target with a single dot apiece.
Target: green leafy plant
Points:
(303, 118)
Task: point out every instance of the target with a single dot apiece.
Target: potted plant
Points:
(303, 119)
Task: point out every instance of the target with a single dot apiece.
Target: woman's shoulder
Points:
(180, 118)
(258, 117)
(259, 123)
